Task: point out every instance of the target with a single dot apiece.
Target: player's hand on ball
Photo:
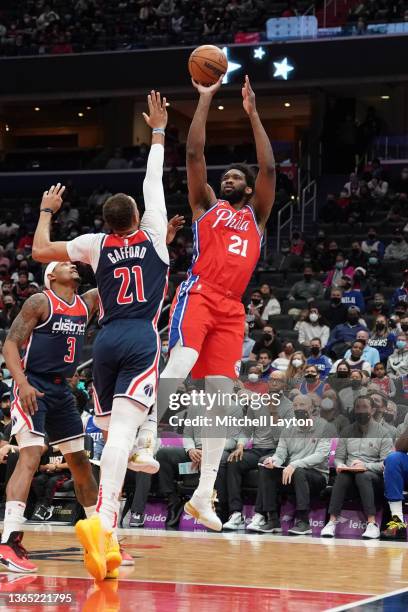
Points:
(248, 97)
(28, 398)
(53, 197)
(157, 117)
(208, 90)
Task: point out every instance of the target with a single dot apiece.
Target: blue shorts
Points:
(126, 356)
(57, 414)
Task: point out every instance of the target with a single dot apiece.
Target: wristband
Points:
(161, 131)
(48, 210)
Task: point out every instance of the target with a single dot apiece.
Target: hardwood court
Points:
(199, 571)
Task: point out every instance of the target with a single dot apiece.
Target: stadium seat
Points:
(288, 304)
(281, 321)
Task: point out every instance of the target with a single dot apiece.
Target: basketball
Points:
(207, 63)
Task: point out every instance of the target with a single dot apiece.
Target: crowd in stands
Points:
(380, 11)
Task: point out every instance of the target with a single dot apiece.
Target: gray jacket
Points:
(192, 434)
(306, 447)
(266, 436)
(371, 447)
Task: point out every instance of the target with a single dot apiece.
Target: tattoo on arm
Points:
(32, 313)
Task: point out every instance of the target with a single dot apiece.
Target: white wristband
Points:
(159, 131)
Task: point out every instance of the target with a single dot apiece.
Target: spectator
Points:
(308, 289)
(380, 401)
(371, 245)
(117, 162)
(295, 371)
(297, 244)
(381, 339)
(282, 361)
(92, 430)
(330, 411)
(68, 216)
(352, 295)
(8, 229)
(359, 459)
(9, 312)
(370, 354)
(397, 250)
(336, 312)
(382, 381)
(254, 382)
(271, 305)
(317, 359)
(344, 334)
(353, 185)
(54, 473)
(140, 485)
(313, 327)
(312, 383)
(278, 386)
(265, 363)
(341, 269)
(21, 288)
(358, 259)
(400, 186)
(269, 342)
(304, 451)
(397, 364)
(255, 310)
(356, 360)
(164, 354)
(379, 306)
(378, 188)
(400, 294)
(247, 345)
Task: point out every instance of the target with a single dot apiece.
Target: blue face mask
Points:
(373, 261)
(339, 265)
(400, 344)
(165, 349)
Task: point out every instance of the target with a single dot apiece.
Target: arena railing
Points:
(289, 206)
(309, 198)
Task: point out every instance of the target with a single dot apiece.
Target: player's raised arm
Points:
(264, 195)
(200, 194)
(33, 312)
(43, 249)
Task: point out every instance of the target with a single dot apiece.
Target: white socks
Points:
(13, 519)
(210, 462)
(89, 510)
(396, 509)
(125, 420)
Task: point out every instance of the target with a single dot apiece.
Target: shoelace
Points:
(396, 525)
(110, 542)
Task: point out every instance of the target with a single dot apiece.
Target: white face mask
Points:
(253, 377)
(327, 404)
(314, 317)
(297, 363)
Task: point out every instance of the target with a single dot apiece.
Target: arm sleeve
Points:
(86, 249)
(154, 220)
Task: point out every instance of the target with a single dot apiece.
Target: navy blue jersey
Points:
(55, 346)
(131, 278)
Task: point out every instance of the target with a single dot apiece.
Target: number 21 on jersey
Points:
(238, 246)
(128, 293)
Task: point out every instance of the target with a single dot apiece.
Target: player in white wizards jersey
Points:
(131, 268)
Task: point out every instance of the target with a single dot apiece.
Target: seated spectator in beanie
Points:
(382, 381)
(378, 306)
(313, 327)
(336, 312)
(271, 305)
(302, 452)
(351, 295)
(330, 411)
(356, 359)
(398, 249)
(308, 289)
(247, 345)
(359, 462)
(397, 364)
(370, 353)
(395, 483)
(400, 294)
(372, 246)
(382, 339)
(241, 461)
(341, 268)
(269, 342)
(312, 383)
(295, 370)
(316, 358)
(265, 364)
(342, 336)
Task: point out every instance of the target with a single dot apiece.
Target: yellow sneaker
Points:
(112, 554)
(103, 598)
(91, 535)
(113, 575)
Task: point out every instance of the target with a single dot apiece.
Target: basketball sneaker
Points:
(329, 530)
(94, 540)
(103, 598)
(14, 556)
(236, 521)
(142, 456)
(396, 530)
(372, 532)
(203, 510)
(126, 558)
(112, 554)
(258, 521)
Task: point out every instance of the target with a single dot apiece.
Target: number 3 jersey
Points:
(55, 346)
(227, 245)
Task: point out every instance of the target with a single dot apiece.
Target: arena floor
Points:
(182, 572)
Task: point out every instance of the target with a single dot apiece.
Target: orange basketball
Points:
(207, 63)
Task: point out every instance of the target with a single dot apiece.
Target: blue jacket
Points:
(354, 297)
(322, 363)
(344, 333)
(399, 295)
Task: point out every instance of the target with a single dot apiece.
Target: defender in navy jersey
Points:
(52, 326)
(131, 269)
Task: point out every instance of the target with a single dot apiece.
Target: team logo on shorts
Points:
(148, 390)
(237, 367)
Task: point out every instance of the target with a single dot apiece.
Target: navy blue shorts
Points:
(126, 356)
(57, 413)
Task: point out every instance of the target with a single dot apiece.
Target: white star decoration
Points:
(282, 69)
(232, 66)
(259, 53)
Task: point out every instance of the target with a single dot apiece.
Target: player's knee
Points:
(78, 463)
(29, 459)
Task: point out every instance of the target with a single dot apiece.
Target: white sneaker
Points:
(202, 509)
(236, 521)
(329, 530)
(142, 458)
(372, 532)
(257, 521)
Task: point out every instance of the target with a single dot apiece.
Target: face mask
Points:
(352, 320)
(307, 277)
(165, 349)
(404, 327)
(256, 301)
(371, 236)
(314, 317)
(388, 417)
(301, 414)
(355, 251)
(284, 251)
(400, 344)
(8, 305)
(267, 337)
(327, 404)
(315, 350)
(373, 261)
(355, 384)
(253, 377)
(355, 357)
(297, 363)
(342, 374)
(339, 265)
(362, 417)
(380, 326)
(310, 377)
(336, 300)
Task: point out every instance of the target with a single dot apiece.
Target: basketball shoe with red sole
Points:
(14, 556)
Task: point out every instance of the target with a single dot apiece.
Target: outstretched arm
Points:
(91, 299)
(264, 195)
(200, 194)
(43, 249)
(34, 310)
